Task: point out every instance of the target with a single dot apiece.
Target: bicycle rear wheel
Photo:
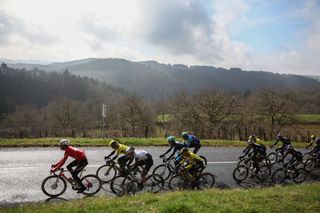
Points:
(206, 181)
(54, 186)
(154, 183)
(300, 175)
(121, 185)
(92, 184)
(176, 183)
(162, 170)
(278, 176)
(106, 173)
(273, 157)
(264, 172)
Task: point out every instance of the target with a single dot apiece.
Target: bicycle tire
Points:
(206, 181)
(106, 173)
(301, 177)
(92, 183)
(176, 183)
(264, 172)
(278, 176)
(162, 170)
(273, 158)
(309, 165)
(45, 190)
(154, 183)
(241, 170)
(121, 185)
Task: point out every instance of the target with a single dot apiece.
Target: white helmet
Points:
(130, 150)
(64, 142)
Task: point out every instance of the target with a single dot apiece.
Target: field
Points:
(46, 142)
(295, 198)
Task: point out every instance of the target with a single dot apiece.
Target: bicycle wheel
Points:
(205, 162)
(162, 170)
(121, 185)
(206, 181)
(273, 158)
(240, 173)
(176, 183)
(306, 156)
(300, 175)
(309, 165)
(154, 183)
(264, 172)
(54, 186)
(241, 162)
(92, 183)
(278, 176)
(106, 173)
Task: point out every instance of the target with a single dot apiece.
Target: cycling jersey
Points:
(259, 141)
(192, 141)
(140, 155)
(285, 141)
(192, 159)
(72, 152)
(121, 149)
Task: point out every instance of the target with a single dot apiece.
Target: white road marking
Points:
(222, 162)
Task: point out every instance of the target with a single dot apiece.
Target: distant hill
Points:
(153, 80)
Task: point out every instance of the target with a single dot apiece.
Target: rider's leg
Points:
(122, 161)
(149, 163)
(72, 164)
(78, 169)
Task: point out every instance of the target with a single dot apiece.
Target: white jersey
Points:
(140, 155)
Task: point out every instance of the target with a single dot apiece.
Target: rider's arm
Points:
(112, 153)
(275, 143)
(247, 151)
(60, 163)
(171, 147)
(115, 157)
(310, 144)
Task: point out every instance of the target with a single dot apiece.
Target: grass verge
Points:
(295, 198)
(47, 142)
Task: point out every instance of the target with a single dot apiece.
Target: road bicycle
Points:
(289, 171)
(184, 180)
(110, 170)
(129, 183)
(311, 163)
(261, 172)
(55, 185)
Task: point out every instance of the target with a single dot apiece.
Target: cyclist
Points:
(316, 148)
(175, 145)
(252, 139)
(191, 141)
(118, 149)
(285, 142)
(80, 162)
(296, 156)
(141, 158)
(194, 162)
(313, 139)
(258, 154)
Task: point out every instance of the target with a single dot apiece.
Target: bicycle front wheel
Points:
(309, 165)
(121, 185)
(273, 157)
(264, 172)
(92, 184)
(300, 175)
(176, 183)
(106, 173)
(240, 173)
(206, 181)
(163, 171)
(54, 186)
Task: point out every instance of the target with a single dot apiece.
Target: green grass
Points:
(295, 198)
(308, 118)
(46, 142)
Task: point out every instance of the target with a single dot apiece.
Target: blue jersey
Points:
(192, 141)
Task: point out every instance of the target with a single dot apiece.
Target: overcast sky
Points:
(273, 35)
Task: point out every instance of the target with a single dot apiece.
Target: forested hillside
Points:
(157, 81)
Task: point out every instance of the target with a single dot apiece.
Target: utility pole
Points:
(104, 116)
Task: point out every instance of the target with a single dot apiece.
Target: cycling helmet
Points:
(113, 143)
(252, 137)
(250, 141)
(185, 135)
(313, 137)
(130, 150)
(171, 139)
(64, 142)
(184, 150)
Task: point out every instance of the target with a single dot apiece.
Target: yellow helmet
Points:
(313, 137)
(113, 143)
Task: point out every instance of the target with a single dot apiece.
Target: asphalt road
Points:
(23, 169)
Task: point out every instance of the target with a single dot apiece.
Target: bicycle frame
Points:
(70, 180)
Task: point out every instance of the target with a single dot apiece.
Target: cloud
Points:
(12, 27)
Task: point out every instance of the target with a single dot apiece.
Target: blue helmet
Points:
(185, 135)
(171, 139)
